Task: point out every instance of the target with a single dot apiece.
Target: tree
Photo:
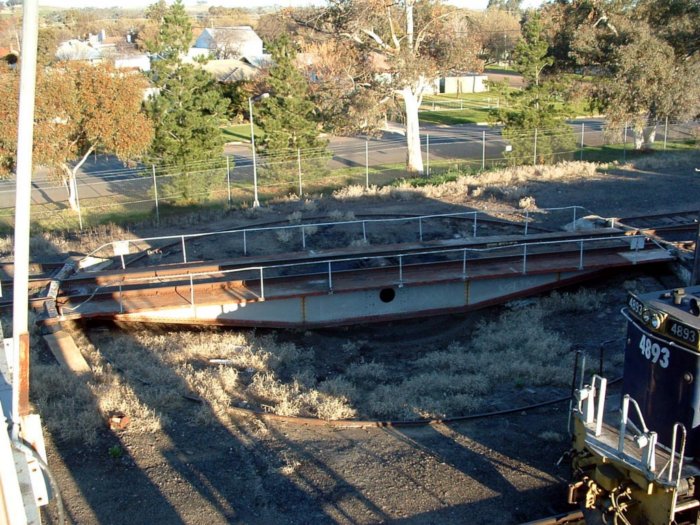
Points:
(398, 49)
(174, 30)
(287, 115)
(81, 109)
(533, 121)
(643, 56)
(499, 31)
(186, 111)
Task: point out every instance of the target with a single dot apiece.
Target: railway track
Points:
(678, 226)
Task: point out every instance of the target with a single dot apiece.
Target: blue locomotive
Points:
(637, 460)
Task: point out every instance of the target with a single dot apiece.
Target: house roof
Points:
(232, 34)
(230, 70)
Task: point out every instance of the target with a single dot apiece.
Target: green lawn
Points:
(616, 152)
(240, 133)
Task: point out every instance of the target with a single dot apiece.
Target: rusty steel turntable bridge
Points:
(357, 283)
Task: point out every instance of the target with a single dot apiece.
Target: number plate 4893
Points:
(654, 352)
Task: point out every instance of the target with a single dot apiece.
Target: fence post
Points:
(301, 190)
(483, 150)
(155, 193)
(184, 252)
(420, 228)
(367, 164)
(364, 232)
(624, 145)
(665, 133)
(228, 179)
(474, 228)
(427, 153)
(400, 271)
(524, 259)
(583, 130)
(77, 202)
(534, 157)
(303, 238)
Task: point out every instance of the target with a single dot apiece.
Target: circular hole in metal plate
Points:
(386, 295)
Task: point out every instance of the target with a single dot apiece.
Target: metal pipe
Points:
(25, 140)
(330, 277)
(420, 229)
(256, 202)
(623, 423)
(245, 244)
(184, 251)
(400, 271)
(580, 257)
(262, 284)
(524, 259)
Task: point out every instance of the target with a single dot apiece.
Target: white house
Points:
(228, 42)
(98, 48)
(465, 83)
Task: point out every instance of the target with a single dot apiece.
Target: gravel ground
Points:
(242, 470)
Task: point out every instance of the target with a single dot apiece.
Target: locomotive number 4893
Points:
(654, 352)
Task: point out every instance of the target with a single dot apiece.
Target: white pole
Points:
(228, 178)
(301, 189)
(25, 139)
(583, 130)
(367, 164)
(256, 202)
(77, 201)
(427, 153)
(534, 157)
(483, 150)
(665, 133)
(624, 145)
(155, 192)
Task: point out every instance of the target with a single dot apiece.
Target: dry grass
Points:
(147, 374)
(509, 184)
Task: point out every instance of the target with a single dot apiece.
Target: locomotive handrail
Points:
(646, 442)
(681, 454)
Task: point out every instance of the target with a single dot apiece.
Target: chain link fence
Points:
(149, 192)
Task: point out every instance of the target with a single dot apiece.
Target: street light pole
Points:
(256, 202)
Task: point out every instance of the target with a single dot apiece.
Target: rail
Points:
(332, 268)
(122, 247)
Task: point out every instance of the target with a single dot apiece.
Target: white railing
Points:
(342, 265)
(119, 247)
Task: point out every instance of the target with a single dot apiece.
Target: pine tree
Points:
(534, 119)
(187, 112)
(287, 115)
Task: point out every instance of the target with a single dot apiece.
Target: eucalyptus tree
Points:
(397, 50)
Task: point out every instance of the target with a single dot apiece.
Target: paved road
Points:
(106, 176)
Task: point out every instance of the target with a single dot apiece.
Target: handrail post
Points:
(527, 219)
(364, 232)
(400, 271)
(184, 251)
(464, 265)
(574, 223)
(623, 423)
(330, 278)
(262, 284)
(121, 300)
(194, 309)
(524, 259)
(303, 238)
(580, 257)
(474, 228)
(601, 406)
(420, 228)
(245, 244)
